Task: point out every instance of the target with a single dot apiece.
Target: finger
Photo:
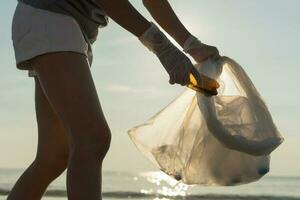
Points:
(216, 57)
(184, 76)
(172, 80)
(179, 77)
(216, 54)
(197, 76)
(211, 54)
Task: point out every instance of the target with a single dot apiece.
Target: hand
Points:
(178, 66)
(200, 51)
(176, 63)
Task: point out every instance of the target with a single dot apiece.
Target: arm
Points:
(173, 60)
(163, 13)
(123, 13)
(176, 63)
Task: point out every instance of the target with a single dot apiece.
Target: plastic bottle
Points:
(209, 86)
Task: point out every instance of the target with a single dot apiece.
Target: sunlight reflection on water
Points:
(167, 186)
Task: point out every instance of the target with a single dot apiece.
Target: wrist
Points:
(155, 40)
(191, 43)
(182, 37)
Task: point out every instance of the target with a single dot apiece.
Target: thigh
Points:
(67, 82)
(52, 137)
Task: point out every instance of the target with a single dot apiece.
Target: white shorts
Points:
(36, 31)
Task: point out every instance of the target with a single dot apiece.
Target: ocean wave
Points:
(138, 195)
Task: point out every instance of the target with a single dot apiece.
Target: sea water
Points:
(155, 185)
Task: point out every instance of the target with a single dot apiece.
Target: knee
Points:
(52, 164)
(92, 145)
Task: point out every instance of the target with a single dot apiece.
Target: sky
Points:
(132, 85)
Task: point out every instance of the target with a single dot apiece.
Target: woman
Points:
(52, 40)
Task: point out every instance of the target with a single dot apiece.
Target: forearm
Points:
(164, 15)
(123, 13)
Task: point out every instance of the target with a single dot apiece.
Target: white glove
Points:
(191, 43)
(176, 63)
(200, 51)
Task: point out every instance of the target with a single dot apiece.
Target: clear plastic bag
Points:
(220, 140)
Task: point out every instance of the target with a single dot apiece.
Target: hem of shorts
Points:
(33, 54)
(30, 55)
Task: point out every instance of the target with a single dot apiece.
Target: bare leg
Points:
(52, 153)
(68, 84)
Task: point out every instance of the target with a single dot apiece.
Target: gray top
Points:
(87, 13)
